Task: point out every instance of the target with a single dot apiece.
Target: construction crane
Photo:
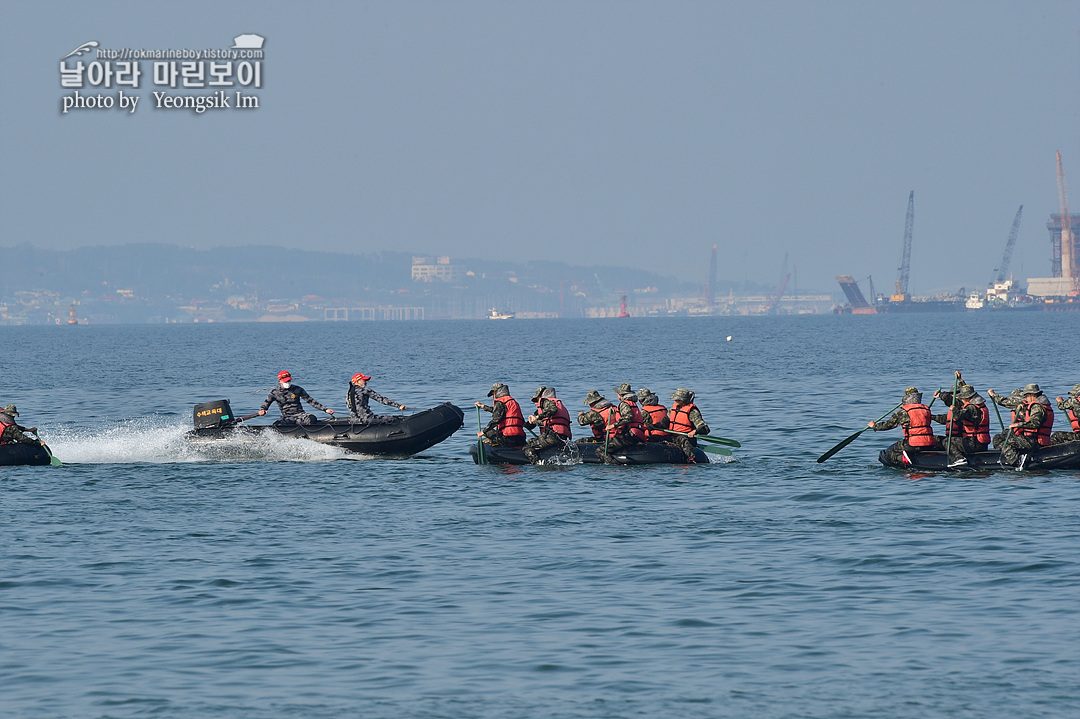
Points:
(1003, 269)
(1068, 268)
(901, 293)
(775, 299)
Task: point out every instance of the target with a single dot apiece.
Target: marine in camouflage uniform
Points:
(288, 396)
(1072, 404)
(548, 437)
(1017, 444)
(13, 432)
(969, 413)
(357, 401)
(681, 397)
(620, 437)
(894, 453)
(498, 414)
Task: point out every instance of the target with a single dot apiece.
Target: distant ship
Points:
(494, 314)
(72, 318)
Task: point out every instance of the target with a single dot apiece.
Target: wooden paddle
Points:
(851, 439)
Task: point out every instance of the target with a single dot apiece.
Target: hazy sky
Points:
(627, 133)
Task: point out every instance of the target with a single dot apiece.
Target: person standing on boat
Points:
(1031, 427)
(12, 432)
(507, 425)
(914, 417)
(1071, 407)
(554, 421)
(604, 419)
(288, 396)
(357, 402)
(685, 417)
(654, 416)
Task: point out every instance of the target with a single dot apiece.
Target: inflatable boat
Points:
(584, 451)
(21, 453)
(1057, 456)
(405, 436)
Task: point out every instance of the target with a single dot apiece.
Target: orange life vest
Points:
(979, 430)
(679, 419)
(559, 423)
(3, 429)
(1074, 420)
(513, 424)
(611, 416)
(1042, 434)
(657, 412)
(918, 433)
(957, 429)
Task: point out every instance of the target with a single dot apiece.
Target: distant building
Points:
(441, 270)
(1056, 285)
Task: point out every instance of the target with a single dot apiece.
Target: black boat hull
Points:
(584, 451)
(23, 454)
(405, 436)
(1058, 456)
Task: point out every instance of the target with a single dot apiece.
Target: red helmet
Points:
(283, 375)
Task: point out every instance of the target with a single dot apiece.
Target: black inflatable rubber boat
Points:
(406, 435)
(21, 453)
(584, 451)
(1058, 456)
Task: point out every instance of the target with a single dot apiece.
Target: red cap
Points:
(283, 374)
(360, 375)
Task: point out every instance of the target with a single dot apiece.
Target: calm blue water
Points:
(151, 579)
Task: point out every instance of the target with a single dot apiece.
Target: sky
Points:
(635, 134)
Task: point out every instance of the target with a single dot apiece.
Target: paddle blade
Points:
(719, 440)
(715, 450)
(840, 446)
(52, 457)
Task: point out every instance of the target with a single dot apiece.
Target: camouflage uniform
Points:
(1072, 402)
(686, 444)
(1016, 444)
(894, 453)
(498, 414)
(622, 438)
(1014, 400)
(970, 413)
(288, 401)
(14, 433)
(548, 437)
(360, 413)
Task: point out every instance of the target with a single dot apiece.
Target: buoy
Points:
(729, 338)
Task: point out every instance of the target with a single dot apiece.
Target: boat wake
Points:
(154, 441)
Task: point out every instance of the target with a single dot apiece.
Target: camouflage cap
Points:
(11, 411)
(966, 391)
(1075, 390)
(1031, 388)
(681, 395)
(643, 392)
(912, 395)
(1016, 394)
(624, 388)
(538, 393)
(593, 397)
(496, 388)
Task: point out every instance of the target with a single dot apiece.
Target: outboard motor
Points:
(213, 415)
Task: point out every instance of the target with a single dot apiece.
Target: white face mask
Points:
(286, 385)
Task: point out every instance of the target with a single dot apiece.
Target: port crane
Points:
(775, 299)
(1068, 266)
(901, 293)
(710, 289)
(1006, 258)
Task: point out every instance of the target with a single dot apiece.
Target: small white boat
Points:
(494, 314)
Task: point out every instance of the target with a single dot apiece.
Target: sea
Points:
(149, 577)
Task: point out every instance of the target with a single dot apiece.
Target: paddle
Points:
(951, 419)
(851, 439)
(708, 438)
(715, 450)
(480, 458)
(998, 412)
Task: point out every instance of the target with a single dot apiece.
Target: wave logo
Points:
(84, 48)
